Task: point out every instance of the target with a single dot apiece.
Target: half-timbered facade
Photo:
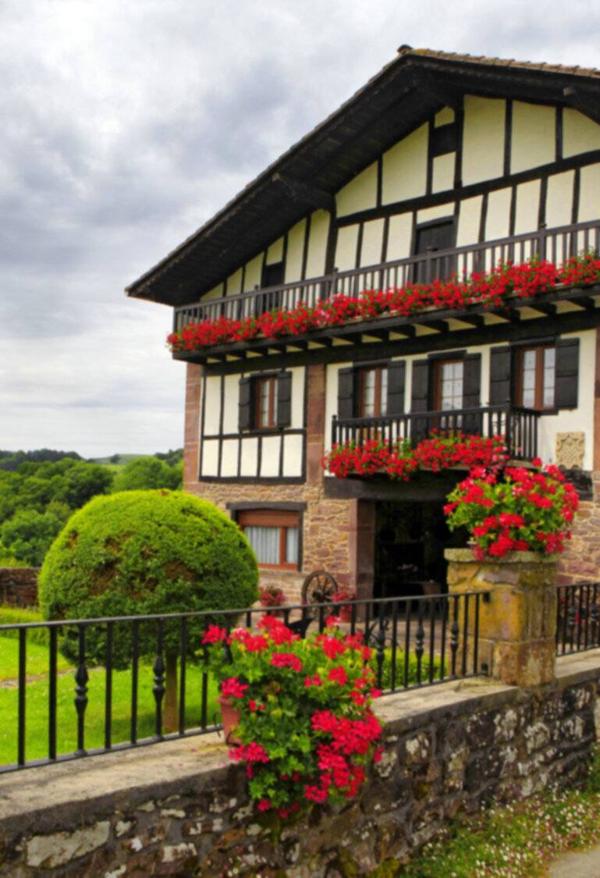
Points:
(441, 166)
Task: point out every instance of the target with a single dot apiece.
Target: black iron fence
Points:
(578, 618)
(80, 687)
(518, 426)
(556, 244)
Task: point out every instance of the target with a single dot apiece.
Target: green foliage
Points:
(12, 460)
(145, 473)
(143, 552)
(16, 616)
(28, 534)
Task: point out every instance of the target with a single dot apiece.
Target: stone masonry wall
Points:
(18, 586)
(179, 808)
(581, 560)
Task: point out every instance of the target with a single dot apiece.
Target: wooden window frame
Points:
(281, 519)
(379, 400)
(520, 352)
(438, 366)
(258, 383)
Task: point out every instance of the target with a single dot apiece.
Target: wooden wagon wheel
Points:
(319, 587)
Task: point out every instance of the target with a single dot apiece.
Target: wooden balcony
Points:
(557, 245)
(518, 425)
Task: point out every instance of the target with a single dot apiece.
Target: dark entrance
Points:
(410, 539)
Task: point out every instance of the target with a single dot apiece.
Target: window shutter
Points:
(420, 386)
(419, 399)
(245, 404)
(472, 422)
(346, 404)
(567, 373)
(472, 381)
(500, 375)
(396, 383)
(284, 399)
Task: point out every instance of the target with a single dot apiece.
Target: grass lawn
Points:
(37, 703)
(517, 841)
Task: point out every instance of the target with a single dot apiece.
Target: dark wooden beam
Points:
(305, 193)
(578, 100)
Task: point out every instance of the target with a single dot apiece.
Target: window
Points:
(430, 238)
(372, 392)
(535, 377)
(274, 535)
(448, 385)
(265, 415)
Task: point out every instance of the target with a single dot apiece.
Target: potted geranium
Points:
(271, 596)
(344, 610)
(305, 728)
(519, 509)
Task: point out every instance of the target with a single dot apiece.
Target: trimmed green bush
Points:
(142, 552)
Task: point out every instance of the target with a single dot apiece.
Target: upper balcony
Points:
(556, 245)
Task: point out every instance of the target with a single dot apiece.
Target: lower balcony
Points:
(517, 425)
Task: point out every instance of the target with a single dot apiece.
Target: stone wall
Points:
(179, 808)
(18, 586)
(581, 561)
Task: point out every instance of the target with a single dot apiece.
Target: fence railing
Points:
(519, 427)
(77, 688)
(578, 618)
(556, 244)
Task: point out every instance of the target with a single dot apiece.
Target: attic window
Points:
(272, 275)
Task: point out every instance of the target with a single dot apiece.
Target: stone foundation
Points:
(18, 586)
(179, 808)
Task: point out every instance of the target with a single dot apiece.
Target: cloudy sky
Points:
(125, 125)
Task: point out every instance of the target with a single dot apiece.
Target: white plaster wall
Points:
(295, 251)
(439, 211)
(497, 220)
(399, 236)
(234, 283)
(559, 199)
(580, 134)
(405, 167)
(297, 420)
(253, 275)
(443, 172)
(212, 404)
(229, 459)
(589, 193)
(372, 241)
(292, 456)
(275, 252)
(360, 193)
(269, 462)
(210, 458)
(345, 249)
(231, 412)
(528, 205)
(444, 117)
(469, 219)
(249, 463)
(317, 243)
(533, 136)
(483, 139)
(215, 293)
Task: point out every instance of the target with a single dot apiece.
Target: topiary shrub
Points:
(143, 552)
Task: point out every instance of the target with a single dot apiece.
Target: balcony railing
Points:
(518, 425)
(556, 244)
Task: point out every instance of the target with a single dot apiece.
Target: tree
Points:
(147, 472)
(144, 552)
(29, 533)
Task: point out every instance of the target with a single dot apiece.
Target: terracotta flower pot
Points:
(230, 717)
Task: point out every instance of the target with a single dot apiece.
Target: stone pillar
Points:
(191, 438)
(315, 422)
(517, 627)
(361, 546)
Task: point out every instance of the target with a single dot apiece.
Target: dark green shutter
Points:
(346, 401)
(500, 375)
(284, 399)
(419, 399)
(396, 384)
(472, 423)
(245, 404)
(567, 373)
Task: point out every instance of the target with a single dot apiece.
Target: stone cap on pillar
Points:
(466, 555)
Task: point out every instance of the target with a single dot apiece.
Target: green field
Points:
(37, 703)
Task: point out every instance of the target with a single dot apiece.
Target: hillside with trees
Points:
(39, 490)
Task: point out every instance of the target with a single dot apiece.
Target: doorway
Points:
(410, 539)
